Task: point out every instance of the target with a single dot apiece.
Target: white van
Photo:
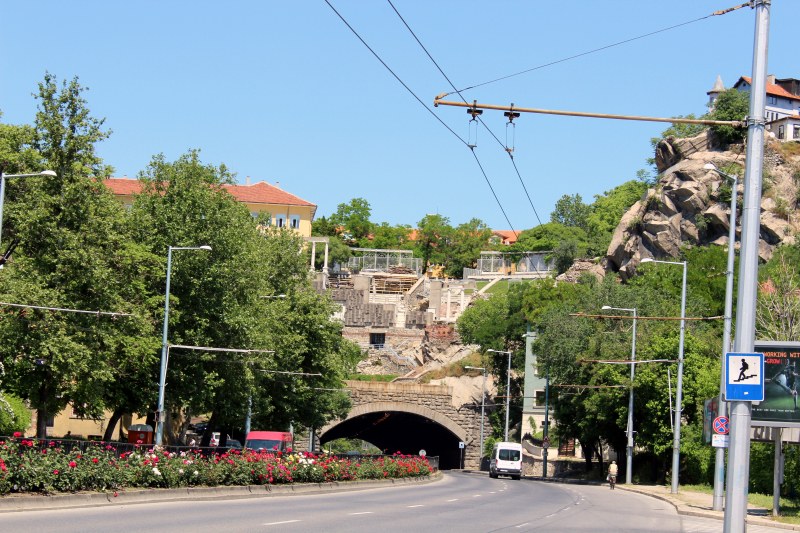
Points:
(506, 460)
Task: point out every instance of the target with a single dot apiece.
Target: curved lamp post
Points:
(164, 347)
(508, 388)
(4, 177)
(722, 407)
(629, 431)
(483, 402)
(676, 430)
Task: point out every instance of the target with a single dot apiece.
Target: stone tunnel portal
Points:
(404, 432)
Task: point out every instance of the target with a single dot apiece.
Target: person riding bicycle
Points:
(612, 474)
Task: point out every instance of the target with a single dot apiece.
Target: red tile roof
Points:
(772, 89)
(258, 193)
(508, 236)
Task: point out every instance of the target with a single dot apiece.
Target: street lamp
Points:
(629, 449)
(163, 373)
(4, 177)
(722, 407)
(483, 401)
(508, 388)
(676, 430)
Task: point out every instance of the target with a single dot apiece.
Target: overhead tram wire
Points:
(462, 97)
(600, 49)
(485, 177)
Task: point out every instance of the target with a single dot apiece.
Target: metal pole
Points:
(2, 198)
(777, 476)
(629, 455)
(249, 416)
(483, 406)
(740, 412)
(676, 442)
(546, 422)
(162, 376)
(508, 394)
(722, 408)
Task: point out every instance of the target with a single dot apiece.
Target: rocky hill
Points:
(686, 207)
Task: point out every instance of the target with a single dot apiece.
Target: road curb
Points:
(683, 508)
(27, 502)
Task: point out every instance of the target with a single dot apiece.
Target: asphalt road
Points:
(461, 502)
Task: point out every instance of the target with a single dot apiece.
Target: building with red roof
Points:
(284, 209)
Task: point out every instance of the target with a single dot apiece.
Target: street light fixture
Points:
(722, 407)
(4, 177)
(508, 388)
(629, 449)
(164, 348)
(676, 430)
(483, 400)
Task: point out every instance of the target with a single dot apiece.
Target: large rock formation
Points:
(684, 207)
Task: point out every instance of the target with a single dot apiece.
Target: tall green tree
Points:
(434, 235)
(74, 252)
(218, 303)
(352, 219)
(571, 211)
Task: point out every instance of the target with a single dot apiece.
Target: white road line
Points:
(476, 495)
(522, 525)
(413, 506)
(453, 500)
(362, 512)
(282, 522)
(491, 492)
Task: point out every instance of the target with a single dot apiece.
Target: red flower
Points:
(17, 434)
(94, 460)
(73, 464)
(55, 472)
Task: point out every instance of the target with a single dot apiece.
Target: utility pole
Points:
(744, 341)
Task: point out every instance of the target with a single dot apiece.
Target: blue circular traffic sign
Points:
(721, 425)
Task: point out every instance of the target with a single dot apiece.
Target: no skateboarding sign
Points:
(744, 373)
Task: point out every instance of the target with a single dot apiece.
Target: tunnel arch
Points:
(405, 427)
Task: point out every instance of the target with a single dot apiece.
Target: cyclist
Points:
(612, 474)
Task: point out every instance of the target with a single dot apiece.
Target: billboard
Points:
(781, 405)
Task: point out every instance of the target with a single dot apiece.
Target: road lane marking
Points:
(476, 495)
(282, 522)
(491, 492)
(453, 500)
(413, 506)
(362, 512)
(522, 525)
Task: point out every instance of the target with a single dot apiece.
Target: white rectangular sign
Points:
(720, 441)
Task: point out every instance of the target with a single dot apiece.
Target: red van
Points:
(278, 441)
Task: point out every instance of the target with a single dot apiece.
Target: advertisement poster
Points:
(781, 384)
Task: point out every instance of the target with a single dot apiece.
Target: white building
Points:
(782, 110)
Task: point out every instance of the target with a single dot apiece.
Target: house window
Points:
(280, 221)
(796, 132)
(772, 100)
(781, 131)
(294, 222)
(377, 339)
(539, 397)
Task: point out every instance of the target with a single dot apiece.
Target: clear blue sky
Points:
(282, 91)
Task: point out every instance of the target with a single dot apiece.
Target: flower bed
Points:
(28, 466)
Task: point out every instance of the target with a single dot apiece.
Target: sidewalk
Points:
(700, 504)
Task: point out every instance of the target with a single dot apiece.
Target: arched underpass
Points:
(398, 431)
(409, 417)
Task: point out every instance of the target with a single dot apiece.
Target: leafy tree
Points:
(434, 235)
(548, 236)
(323, 227)
(571, 211)
(468, 240)
(354, 219)
(731, 104)
(778, 305)
(607, 210)
(387, 237)
(218, 304)
(75, 252)
(14, 415)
